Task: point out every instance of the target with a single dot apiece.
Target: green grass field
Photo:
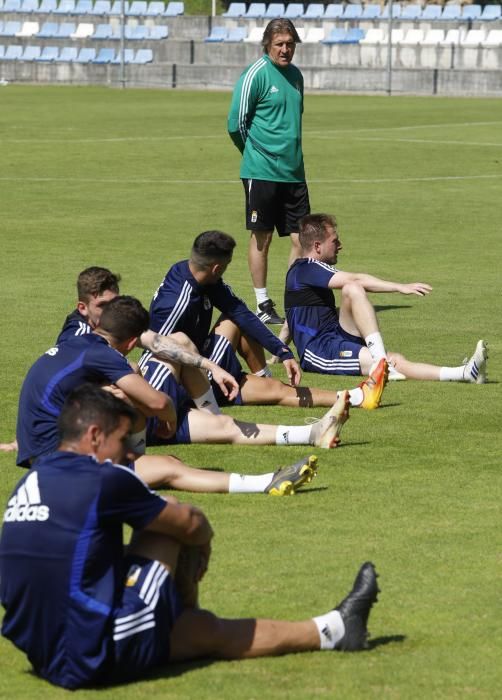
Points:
(126, 179)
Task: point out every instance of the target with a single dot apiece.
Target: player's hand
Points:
(118, 393)
(225, 381)
(293, 371)
(418, 288)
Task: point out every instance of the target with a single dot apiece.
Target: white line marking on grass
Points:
(118, 139)
(334, 181)
(343, 132)
(432, 141)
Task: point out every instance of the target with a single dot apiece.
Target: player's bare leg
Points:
(248, 348)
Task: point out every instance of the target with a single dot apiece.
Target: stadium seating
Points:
(138, 32)
(217, 34)
(256, 10)
(48, 30)
(104, 55)
(314, 35)
(158, 32)
(174, 8)
(413, 37)
(83, 7)
(375, 35)
(65, 30)
(65, 7)
(410, 13)
(353, 36)
(12, 6)
(491, 13)
(49, 54)
(2, 51)
(128, 57)
(13, 53)
(235, 9)
(371, 12)
(255, 35)
(155, 9)
(431, 12)
(474, 37)
(31, 53)
(471, 13)
(396, 11)
(85, 55)
(333, 11)
(275, 9)
(301, 32)
(137, 8)
(28, 29)
(352, 12)
(84, 30)
(142, 56)
(236, 34)
(29, 6)
(335, 36)
(47, 6)
(116, 8)
(68, 54)
(453, 37)
(103, 31)
(433, 37)
(294, 10)
(313, 11)
(10, 28)
(101, 7)
(493, 38)
(451, 13)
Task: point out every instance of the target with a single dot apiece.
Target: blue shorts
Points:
(219, 350)
(333, 353)
(160, 377)
(143, 619)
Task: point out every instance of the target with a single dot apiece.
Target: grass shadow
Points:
(388, 639)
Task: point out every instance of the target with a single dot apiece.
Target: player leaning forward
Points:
(85, 612)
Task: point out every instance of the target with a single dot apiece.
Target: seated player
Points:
(184, 303)
(348, 340)
(91, 613)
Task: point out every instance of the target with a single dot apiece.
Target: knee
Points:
(353, 291)
(262, 240)
(183, 340)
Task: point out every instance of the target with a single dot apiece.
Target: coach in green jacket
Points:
(265, 123)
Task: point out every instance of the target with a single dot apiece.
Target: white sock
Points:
(331, 629)
(293, 435)
(356, 396)
(243, 483)
(264, 372)
(261, 294)
(451, 374)
(207, 402)
(374, 343)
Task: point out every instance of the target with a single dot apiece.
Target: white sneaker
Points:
(394, 375)
(326, 433)
(475, 369)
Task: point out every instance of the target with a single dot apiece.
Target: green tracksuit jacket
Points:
(265, 122)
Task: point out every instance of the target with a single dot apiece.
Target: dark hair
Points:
(87, 405)
(93, 281)
(212, 247)
(278, 26)
(313, 228)
(124, 317)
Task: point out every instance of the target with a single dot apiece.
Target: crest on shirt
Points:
(133, 575)
(254, 216)
(345, 353)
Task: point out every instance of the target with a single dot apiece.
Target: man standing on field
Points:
(265, 123)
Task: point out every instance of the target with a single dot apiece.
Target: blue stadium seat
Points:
(104, 55)
(256, 10)
(137, 8)
(137, 33)
(13, 53)
(101, 8)
(128, 56)
(29, 6)
(217, 34)
(155, 9)
(451, 13)
(333, 11)
(235, 9)
(48, 30)
(47, 7)
(353, 36)
(68, 54)
(274, 10)
(116, 8)
(65, 7)
(142, 57)
(236, 34)
(352, 12)
(294, 10)
(85, 55)
(2, 51)
(335, 36)
(174, 9)
(314, 10)
(83, 7)
(12, 6)
(49, 54)
(411, 13)
(66, 29)
(491, 13)
(431, 12)
(31, 53)
(10, 28)
(471, 13)
(158, 32)
(396, 11)
(103, 31)
(371, 12)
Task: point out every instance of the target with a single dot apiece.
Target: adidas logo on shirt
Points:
(26, 504)
(274, 89)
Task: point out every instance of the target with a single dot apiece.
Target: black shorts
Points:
(278, 205)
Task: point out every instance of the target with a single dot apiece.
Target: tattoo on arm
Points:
(169, 350)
